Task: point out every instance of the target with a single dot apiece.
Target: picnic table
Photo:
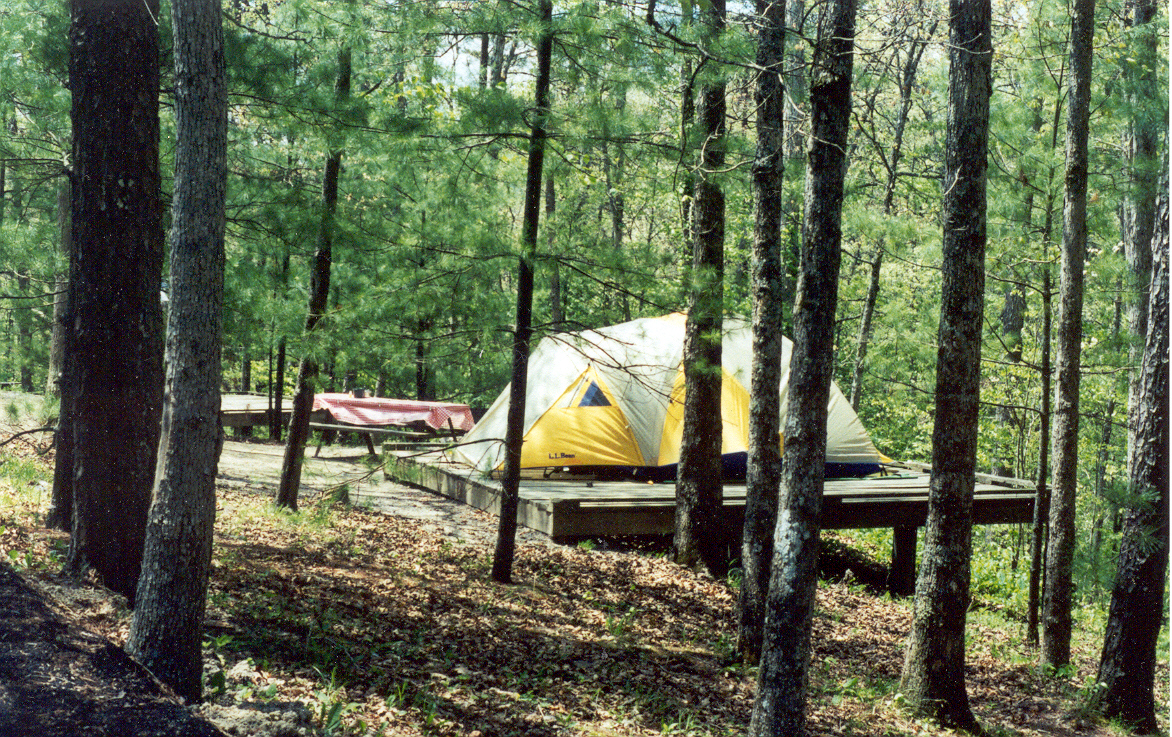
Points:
(333, 411)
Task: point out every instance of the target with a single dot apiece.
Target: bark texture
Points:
(1057, 600)
(780, 708)
(116, 346)
(506, 541)
(699, 538)
(1127, 668)
(166, 633)
(763, 475)
(933, 672)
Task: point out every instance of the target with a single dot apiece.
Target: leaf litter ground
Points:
(342, 620)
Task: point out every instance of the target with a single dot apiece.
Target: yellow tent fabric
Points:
(613, 397)
(734, 414)
(585, 427)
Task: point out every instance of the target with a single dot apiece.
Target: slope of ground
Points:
(341, 620)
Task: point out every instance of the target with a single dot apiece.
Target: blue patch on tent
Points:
(594, 397)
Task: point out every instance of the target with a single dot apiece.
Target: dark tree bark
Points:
(699, 489)
(780, 708)
(763, 475)
(933, 672)
(1128, 665)
(318, 299)
(1058, 598)
(506, 541)
(166, 632)
(116, 362)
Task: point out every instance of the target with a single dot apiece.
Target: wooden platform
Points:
(250, 410)
(571, 508)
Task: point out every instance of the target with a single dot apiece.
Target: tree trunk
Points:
(506, 541)
(1128, 665)
(933, 671)
(276, 420)
(1042, 492)
(780, 708)
(318, 299)
(245, 371)
(1059, 594)
(699, 537)
(166, 633)
(865, 327)
(116, 366)
(763, 475)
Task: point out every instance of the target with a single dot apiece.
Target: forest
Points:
(430, 142)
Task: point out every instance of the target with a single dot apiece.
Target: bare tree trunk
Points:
(865, 327)
(276, 423)
(166, 633)
(1128, 665)
(933, 678)
(506, 541)
(780, 708)
(763, 475)
(116, 366)
(319, 296)
(1059, 594)
(1042, 493)
(699, 537)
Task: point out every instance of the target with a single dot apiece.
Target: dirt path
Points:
(256, 467)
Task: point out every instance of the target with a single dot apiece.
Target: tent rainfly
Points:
(612, 400)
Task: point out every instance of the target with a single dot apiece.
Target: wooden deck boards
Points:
(569, 508)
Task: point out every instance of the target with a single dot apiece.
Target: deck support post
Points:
(901, 580)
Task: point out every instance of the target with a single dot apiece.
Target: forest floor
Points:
(340, 620)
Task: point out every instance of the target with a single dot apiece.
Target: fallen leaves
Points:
(377, 624)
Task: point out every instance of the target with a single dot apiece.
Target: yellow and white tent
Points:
(613, 397)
